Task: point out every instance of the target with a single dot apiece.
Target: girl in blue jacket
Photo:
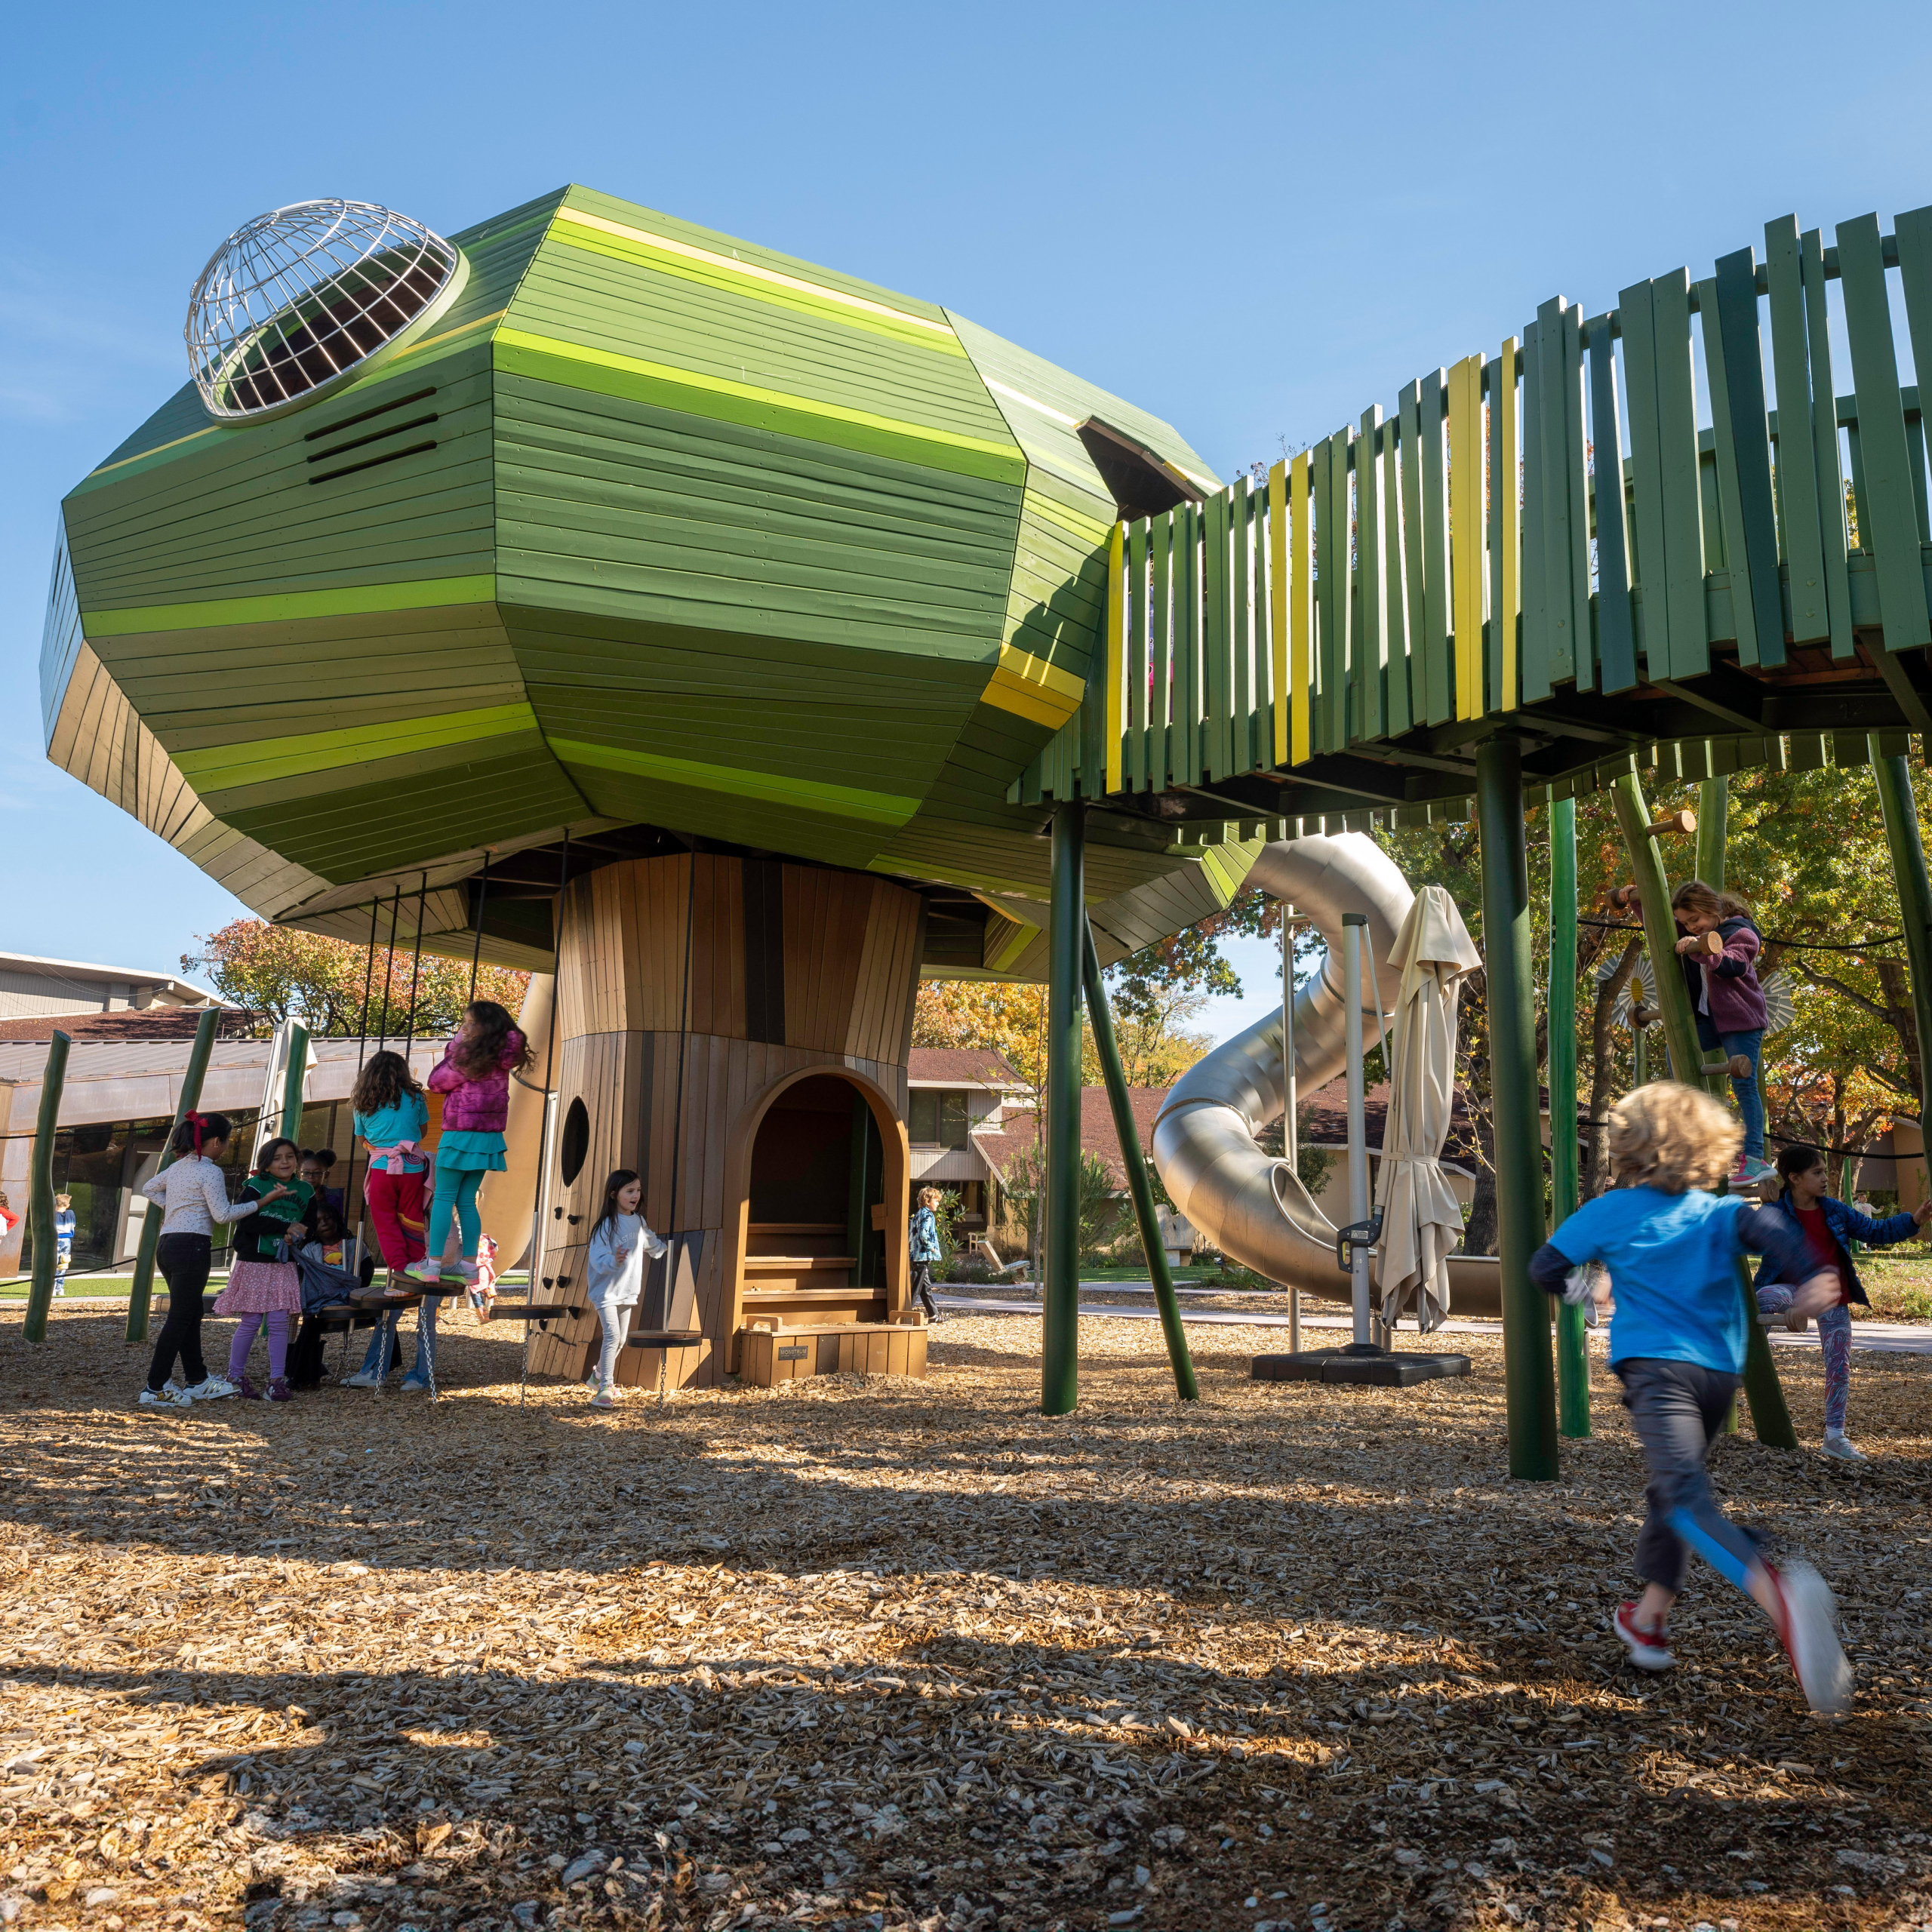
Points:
(1829, 1227)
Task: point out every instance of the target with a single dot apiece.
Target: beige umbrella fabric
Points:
(1421, 1220)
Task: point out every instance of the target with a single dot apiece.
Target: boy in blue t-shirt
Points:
(1677, 1343)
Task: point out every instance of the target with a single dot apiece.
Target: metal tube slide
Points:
(1248, 1203)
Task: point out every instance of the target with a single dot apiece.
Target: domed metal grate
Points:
(292, 302)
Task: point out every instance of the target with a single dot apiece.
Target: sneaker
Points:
(248, 1391)
(412, 1386)
(162, 1399)
(363, 1378)
(1807, 1608)
(210, 1388)
(1838, 1445)
(1648, 1645)
(1751, 1169)
(278, 1390)
(603, 1399)
(464, 1271)
(425, 1270)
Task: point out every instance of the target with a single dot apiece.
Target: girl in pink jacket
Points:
(475, 1076)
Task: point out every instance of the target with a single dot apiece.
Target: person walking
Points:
(923, 1240)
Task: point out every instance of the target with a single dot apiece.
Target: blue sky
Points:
(1254, 222)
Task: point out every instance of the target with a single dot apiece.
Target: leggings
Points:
(1834, 1339)
(245, 1332)
(616, 1323)
(391, 1198)
(184, 1266)
(455, 1192)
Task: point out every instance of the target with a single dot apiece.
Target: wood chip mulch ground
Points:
(889, 1654)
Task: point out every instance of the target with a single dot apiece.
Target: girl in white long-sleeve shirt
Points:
(195, 1192)
(619, 1244)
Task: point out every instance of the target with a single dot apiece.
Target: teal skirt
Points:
(480, 1153)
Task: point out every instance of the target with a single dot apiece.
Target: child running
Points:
(193, 1193)
(1677, 1343)
(1829, 1228)
(475, 1077)
(1727, 998)
(619, 1243)
(260, 1287)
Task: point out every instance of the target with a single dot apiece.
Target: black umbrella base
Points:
(1361, 1363)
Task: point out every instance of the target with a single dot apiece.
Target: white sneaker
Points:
(162, 1399)
(1805, 1630)
(1836, 1443)
(363, 1378)
(603, 1399)
(425, 1270)
(211, 1390)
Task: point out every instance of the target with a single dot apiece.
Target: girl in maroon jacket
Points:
(474, 1075)
(1722, 977)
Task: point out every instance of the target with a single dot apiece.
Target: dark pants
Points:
(184, 1262)
(1679, 1409)
(922, 1288)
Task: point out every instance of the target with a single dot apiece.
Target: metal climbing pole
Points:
(1060, 1353)
(1572, 1352)
(1530, 1386)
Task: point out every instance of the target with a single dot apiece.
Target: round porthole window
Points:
(575, 1142)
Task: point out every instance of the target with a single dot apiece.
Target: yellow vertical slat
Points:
(1301, 610)
(1503, 398)
(1277, 600)
(1466, 530)
(1115, 648)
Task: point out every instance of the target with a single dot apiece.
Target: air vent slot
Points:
(369, 415)
(373, 436)
(392, 456)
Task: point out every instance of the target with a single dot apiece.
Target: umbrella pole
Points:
(1354, 924)
(1572, 1352)
(1291, 1119)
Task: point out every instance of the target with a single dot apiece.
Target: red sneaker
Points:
(1647, 1643)
(1807, 1609)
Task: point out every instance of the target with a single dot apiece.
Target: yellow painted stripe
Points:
(751, 271)
(1301, 611)
(1023, 664)
(1503, 398)
(221, 767)
(770, 787)
(1466, 530)
(1026, 700)
(424, 594)
(1278, 601)
(664, 372)
(447, 335)
(1112, 644)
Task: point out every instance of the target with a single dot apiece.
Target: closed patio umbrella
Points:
(1421, 1220)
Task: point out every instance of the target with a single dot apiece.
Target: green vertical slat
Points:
(1677, 445)
(1888, 525)
(1828, 471)
(1241, 692)
(1913, 235)
(1438, 669)
(1553, 486)
(1535, 673)
(1723, 472)
(1160, 669)
(1370, 644)
(1187, 639)
(1213, 636)
(1847, 416)
(1331, 591)
(1140, 542)
(1797, 472)
(1499, 468)
(1576, 477)
(1637, 307)
(1345, 718)
(1261, 716)
(1617, 646)
(1395, 611)
(1322, 699)
(1736, 290)
(1415, 597)
(1914, 439)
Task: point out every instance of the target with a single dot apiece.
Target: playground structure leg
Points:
(1573, 1356)
(1713, 810)
(292, 1083)
(142, 1290)
(1769, 1416)
(1060, 1353)
(1900, 811)
(1530, 1384)
(1138, 1186)
(40, 1197)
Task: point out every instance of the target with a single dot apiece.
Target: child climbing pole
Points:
(1718, 949)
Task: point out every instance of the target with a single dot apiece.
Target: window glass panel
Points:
(922, 1122)
(952, 1120)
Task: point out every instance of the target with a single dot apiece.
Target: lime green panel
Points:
(262, 759)
(291, 605)
(836, 801)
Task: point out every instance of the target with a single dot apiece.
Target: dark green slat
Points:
(1828, 470)
(1676, 446)
(1133, 720)
(1338, 647)
(1616, 638)
(1576, 477)
(1501, 463)
(1369, 644)
(1321, 700)
(1797, 470)
(1535, 671)
(1553, 324)
(1261, 720)
(1914, 438)
(1741, 443)
(1888, 525)
(1187, 638)
(1217, 654)
(1395, 602)
(1415, 599)
(1637, 308)
(1439, 667)
(1913, 233)
(1160, 740)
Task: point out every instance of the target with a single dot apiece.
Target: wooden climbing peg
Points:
(1738, 1066)
(1712, 943)
(1642, 1015)
(1684, 823)
(1623, 898)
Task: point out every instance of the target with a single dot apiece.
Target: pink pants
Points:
(245, 1332)
(391, 1198)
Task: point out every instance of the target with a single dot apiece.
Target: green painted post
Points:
(198, 1056)
(1900, 812)
(39, 1204)
(1060, 1352)
(1713, 809)
(1530, 1384)
(1138, 1186)
(1769, 1415)
(1573, 1348)
(292, 1081)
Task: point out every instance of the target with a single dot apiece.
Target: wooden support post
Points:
(1530, 1389)
(1145, 1215)
(142, 1291)
(40, 1199)
(1769, 1414)
(1060, 1313)
(1900, 812)
(1573, 1348)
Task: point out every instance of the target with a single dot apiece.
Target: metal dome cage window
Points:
(299, 300)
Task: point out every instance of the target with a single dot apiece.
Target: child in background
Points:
(392, 1117)
(923, 1245)
(63, 1240)
(194, 1192)
(1727, 998)
(619, 1243)
(1677, 1343)
(316, 1163)
(261, 1287)
(475, 1076)
(1827, 1228)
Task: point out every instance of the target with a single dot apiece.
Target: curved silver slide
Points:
(1249, 1204)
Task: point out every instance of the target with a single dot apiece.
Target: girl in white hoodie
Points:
(620, 1242)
